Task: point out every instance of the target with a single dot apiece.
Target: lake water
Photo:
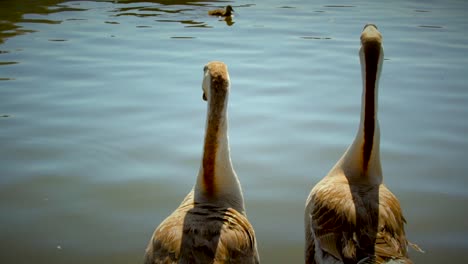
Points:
(102, 121)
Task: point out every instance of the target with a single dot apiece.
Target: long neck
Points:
(217, 181)
(363, 157)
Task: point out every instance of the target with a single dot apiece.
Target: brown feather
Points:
(334, 222)
(222, 12)
(196, 233)
(350, 216)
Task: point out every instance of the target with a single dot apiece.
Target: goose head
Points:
(371, 43)
(229, 10)
(215, 80)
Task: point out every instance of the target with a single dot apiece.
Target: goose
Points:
(350, 215)
(227, 12)
(210, 225)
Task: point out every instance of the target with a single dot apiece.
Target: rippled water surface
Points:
(102, 122)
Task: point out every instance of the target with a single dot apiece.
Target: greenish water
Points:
(101, 118)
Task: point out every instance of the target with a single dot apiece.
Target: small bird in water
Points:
(227, 12)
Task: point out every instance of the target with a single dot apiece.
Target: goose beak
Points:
(370, 25)
(371, 36)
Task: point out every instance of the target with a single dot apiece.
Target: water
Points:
(101, 118)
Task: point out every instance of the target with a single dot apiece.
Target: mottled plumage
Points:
(202, 233)
(351, 225)
(350, 216)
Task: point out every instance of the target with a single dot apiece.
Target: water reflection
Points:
(429, 26)
(229, 21)
(188, 23)
(147, 11)
(316, 38)
(182, 37)
(22, 16)
(166, 2)
(14, 13)
(136, 14)
(168, 9)
(339, 6)
(8, 62)
(40, 21)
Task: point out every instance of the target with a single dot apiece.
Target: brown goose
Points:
(210, 225)
(350, 216)
(227, 12)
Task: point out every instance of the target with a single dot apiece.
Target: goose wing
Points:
(197, 233)
(343, 224)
